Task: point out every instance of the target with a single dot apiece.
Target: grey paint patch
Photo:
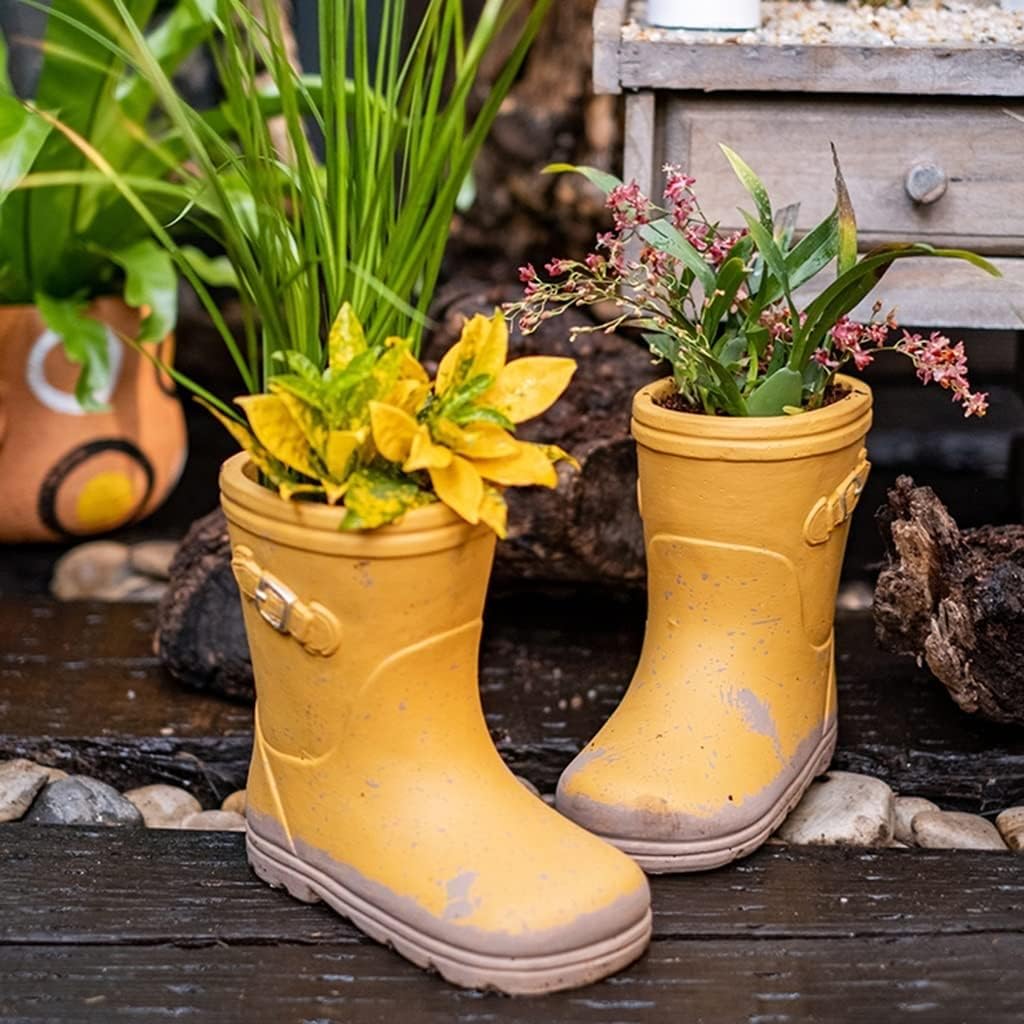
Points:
(758, 715)
(459, 903)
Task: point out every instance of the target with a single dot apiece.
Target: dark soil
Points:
(677, 403)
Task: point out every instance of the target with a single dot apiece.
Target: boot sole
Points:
(662, 857)
(528, 975)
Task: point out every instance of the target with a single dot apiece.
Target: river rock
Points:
(20, 781)
(80, 800)
(1011, 827)
(954, 830)
(163, 806)
(235, 802)
(94, 571)
(907, 808)
(842, 809)
(215, 821)
(153, 558)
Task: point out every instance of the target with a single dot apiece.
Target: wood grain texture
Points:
(142, 886)
(554, 666)
(669, 63)
(977, 144)
(148, 925)
(936, 980)
(608, 18)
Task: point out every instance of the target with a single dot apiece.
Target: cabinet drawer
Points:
(975, 148)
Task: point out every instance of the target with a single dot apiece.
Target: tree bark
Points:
(955, 601)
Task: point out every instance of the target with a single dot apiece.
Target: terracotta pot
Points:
(375, 785)
(68, 473)
(732, 709)
(725, 15)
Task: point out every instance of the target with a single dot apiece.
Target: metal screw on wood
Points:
(926, 183)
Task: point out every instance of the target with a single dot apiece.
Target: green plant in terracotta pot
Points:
(752, 459)
(91, 435)
(364, 509)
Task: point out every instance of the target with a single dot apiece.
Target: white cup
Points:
(724, 15)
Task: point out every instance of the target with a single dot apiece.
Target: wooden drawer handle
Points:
(926, 183)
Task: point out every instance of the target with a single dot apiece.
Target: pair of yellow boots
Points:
(375, 785)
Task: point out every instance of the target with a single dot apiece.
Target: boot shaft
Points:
(757, 491)
(329, 613)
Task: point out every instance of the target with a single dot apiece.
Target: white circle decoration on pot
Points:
(725, 15)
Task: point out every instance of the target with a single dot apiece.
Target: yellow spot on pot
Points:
(106, 501)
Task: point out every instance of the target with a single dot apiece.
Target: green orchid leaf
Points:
(847, 220)
(773, 257)
(731, 277)
(753, 184)
(602, 179)
(150, 282)
(85, 343)
(783, 388)
(664, 346)
(728, 390)
(666, 238)
(22, 134)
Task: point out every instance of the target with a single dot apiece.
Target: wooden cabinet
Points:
(927, 136)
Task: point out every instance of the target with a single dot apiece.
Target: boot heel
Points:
(277, 876)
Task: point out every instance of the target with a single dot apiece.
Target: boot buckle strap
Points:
(275, 602)
(310, 624)
(830, 513)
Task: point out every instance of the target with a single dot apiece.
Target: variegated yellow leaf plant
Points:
(373, 433)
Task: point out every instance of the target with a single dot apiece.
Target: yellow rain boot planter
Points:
(374, 784)
(732, 710)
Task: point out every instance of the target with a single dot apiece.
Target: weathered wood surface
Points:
(553, 668)
(141, 886)
(955, 601)
(81, 689)
(977, 145)
(148, 925)
(669, 62)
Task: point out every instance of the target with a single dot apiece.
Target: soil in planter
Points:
(677, 403)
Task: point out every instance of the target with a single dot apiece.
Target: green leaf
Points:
(375, 498)
(602, 179)
(814, 251)
(85, 343)
(731, 277)
(150, 281)
(783, 388)
(216, 271)
(729, 396)
(22, 134)
(845, 293)
(666, 238)
(346, 340)
(753, 184)
(772, 256)
(664, 346)
(847, 220)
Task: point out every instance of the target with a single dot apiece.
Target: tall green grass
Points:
(401, 122)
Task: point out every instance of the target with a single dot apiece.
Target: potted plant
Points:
(752, 459)
(364, 509)
(91, 434)
(724, 15)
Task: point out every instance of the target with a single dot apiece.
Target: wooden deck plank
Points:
(936, 980)
(145, 887)
(553, 668)
(144, 925)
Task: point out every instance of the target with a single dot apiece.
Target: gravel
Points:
(836, 23)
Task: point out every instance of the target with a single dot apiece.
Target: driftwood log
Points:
(588, 530)
(954, 599)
